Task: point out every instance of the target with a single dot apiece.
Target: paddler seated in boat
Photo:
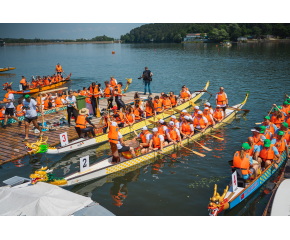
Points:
(19, 109)
(218, 115)
(287, 120)
(284, 128)
(24, 84)
(81, 123)
(196, 110)
(244, 162)
(166, 102)
(270, 126)
(266, 154)
(200, 122)
(129, 116)
(280, 143)
(266, 133)
(58, 69)
(173, 99)
(136, 98)
(48, 103)
(116, 139)
(149, 108)
(222, 99)
(208, 116)
(45, 81)
(254, 146)
(145, 137)
(278, 116)
(186, 128)
(137, 111)
(162, 128)
(158, 108)
(118, 116)
(285, 108)
(207, 104)
(157, 141)
(176, 122)
(106, 121)
(33, 83)
(59, 101)
(161, 96)
(182, 114)
(257, 136)
(184, 95)
(173, 134)
(75, 93)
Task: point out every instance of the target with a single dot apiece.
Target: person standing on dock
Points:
(9, 111)
(113, 82)
(24, 84)
(58, 69)
(147, 77)
(30, 106)
(93, 92)
(109, 94)
(118, 97)
(71, 107)
(222, 99)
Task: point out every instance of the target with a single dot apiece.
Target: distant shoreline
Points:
(47, 43)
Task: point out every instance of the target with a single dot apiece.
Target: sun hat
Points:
(190, 117)
(218, 105)
(184, 111)
(256, 129)
(196, 107)
(84, 111)
(171, 123)
(207, 104)
(27, 96)
(154, 130)
(246, 146)
(263, 129)
(199, 112)
(144, 128)
(284, 124)
(114, 124)
(281, 133)
(267, 117)
(161, 121)
(267, 143)
(186, 117)
(173, 116)
(206, 108)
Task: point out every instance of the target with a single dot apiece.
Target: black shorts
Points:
(124, 149)
(9, 111)
(224, 108)
(26, 119)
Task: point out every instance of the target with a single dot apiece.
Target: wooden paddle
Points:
(168, 112)
(204, 147)
(238, 109)
(177, 110)
(211, 135)
(154, 123)
(197, 153)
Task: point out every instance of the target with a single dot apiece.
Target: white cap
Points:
(171, 123)
(184, 111)
(190, 117)
(186, 117)
(207, 104)
(254, 130)
(161, 121)
(199, 112)
(218, 105)
(196, 107)
(154, 130)
(114, 124)
(144, 128)
(173, 116)
(206, 108)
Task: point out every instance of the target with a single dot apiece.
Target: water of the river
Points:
(162, 187)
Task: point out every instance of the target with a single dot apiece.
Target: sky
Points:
(65, 30)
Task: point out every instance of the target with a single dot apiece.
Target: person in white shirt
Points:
(173, 119)
(173, 134)
(9, 111)
(71, 106)
(207, 104)
(200, 122)
(121, 145)
(186, 128)
(157, 141)
(145, 136)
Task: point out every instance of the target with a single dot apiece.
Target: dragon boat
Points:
(34, 91)
(84, 143)
(6, 69)
(105, 166)
(232, 197)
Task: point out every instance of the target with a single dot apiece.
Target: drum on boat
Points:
(134, 144)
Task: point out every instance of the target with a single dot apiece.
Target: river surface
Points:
(163, 187)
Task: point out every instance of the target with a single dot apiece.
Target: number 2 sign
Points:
(63, 139)
(84, 163)
(234, 181)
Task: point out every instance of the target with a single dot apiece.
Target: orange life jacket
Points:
(136, 113)
(277, 121)
(149, 111)
(23, 82)
(218, 114)
(1, 115)
(173, 134)
(199, 122)
(208, 117)
(157, 105)
(259, 139)
(156, 141)
(83, 93)
(287, 136)
(251, 152)
(143, 136)
(95, 91)
(243, 164)
(173, 101)
(19, 111)
(58, 68)
(58, 102)
(88, 100)
(107, 91)
(166, 103)
(6, 97)
(117, 88)
(113, 134)
(46, 104)
(161, 131)
(221, 98)
(288, 119)
(271, 128)
(195, 113)
(81, 121)
(129, 118)
(267, 154)
(184, 95)
(34, 84)
(267, 134)
(186, 129)
(120, 119)
(113, 82)
(46, 82)
(285, 109)
(59, 78)
(280, 145)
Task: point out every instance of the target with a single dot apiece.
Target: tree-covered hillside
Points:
(175, 32)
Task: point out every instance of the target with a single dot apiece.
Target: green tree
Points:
(257, 31)
(234, 31)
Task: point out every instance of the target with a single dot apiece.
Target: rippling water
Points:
(162, 187)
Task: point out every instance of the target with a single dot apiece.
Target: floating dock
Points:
(12, 148)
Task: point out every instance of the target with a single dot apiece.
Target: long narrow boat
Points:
(83, 143)
(6, 69)
(105, 167)
(231, 198)
(41, 89)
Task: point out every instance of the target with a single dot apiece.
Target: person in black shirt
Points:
(147, 77)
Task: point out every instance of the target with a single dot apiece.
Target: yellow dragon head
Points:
(38, 147)
(217, 203)
(43, 176)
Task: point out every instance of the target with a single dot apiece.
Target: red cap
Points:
(115, 107)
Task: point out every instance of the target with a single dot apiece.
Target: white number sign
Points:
(84, 163)
(63, 139)
(20, 87)
(235, 181)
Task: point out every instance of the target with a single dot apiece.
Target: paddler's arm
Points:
(278, 108)
(89, 122)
